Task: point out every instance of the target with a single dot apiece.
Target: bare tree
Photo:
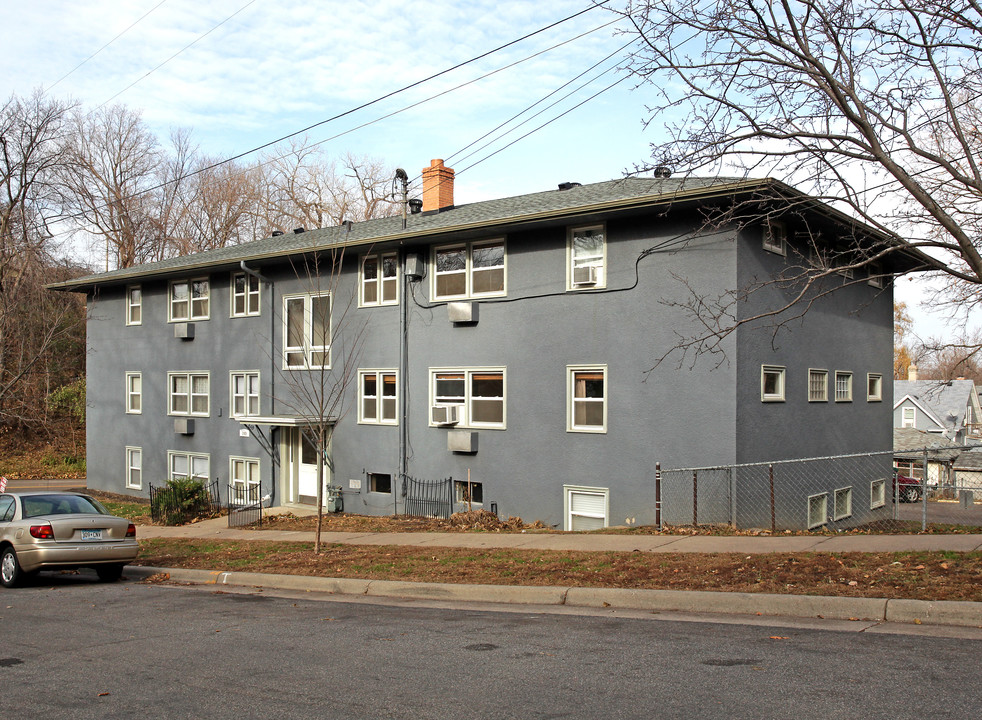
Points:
(302, 188)
(36, 327)
(114, 163)
(321, 346)
(871, 106)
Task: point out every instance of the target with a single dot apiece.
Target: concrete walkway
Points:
(871, 610)
(218, 529)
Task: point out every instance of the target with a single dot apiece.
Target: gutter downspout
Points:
(403, 381)
(272, 368)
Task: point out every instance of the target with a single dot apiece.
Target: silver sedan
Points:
(60, 530)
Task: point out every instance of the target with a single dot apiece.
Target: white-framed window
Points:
(586, 250)
(479, 394)
(818, 385)
(134, 393)
(134, 468)
(380, 483)
(468, 492)
(874, 387)
(187, 466)
(243, 473)
(585, 508)
(245, 295)
(474, 269)
(189, 300)
(307, 331)
(772, 383)
(188, 393)
(909, 417)
(586, 398)
(243, 394)
(877, 493)
(379, 279)
(842, 503)
(134, 305)
(818, 506)
(843, 386)
(378, 400)
(876, 277)
(776, 237)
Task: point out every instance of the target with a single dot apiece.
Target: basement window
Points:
(818, 506)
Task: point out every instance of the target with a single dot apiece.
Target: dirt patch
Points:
(924, 576)
(476, 521)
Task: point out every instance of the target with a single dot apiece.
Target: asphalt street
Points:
(70, 647)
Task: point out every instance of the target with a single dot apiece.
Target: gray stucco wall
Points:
(848, 329)
(679, 415)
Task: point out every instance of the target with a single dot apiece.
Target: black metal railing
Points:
(428, 498)
(181, 501)
(245, 507)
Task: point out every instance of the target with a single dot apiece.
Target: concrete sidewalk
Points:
(218, 529)
(875, 610)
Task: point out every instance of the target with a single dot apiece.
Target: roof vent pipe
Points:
(297, 231)
(277, 233)
(415, 206)
(663, 172)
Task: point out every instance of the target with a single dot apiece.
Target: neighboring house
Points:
(968, 470)
(512, 342)
(949, 408)
(909, 456)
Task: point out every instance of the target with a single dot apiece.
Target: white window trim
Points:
(845, 374)
(130, 467)
(877, 278)
(602, 273)
(130, 305)
(171, 454)
(378, 373)
(570, 490)
(369, 476)
(825, 510)
(904, 423)
(469, 270)
(847, 491)
(308, 348)
(465, 407)
(877, 494)
(191, 316)
(776, 229)
(232, 459)
(571, 371)
(782, 392)
(190, 377)
(232, 294)
(879, 396)
(824, 372)
(380, 258)
(245, 398)
(129, 395)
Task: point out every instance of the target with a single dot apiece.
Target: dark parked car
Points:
(59, 530)
(908, 489)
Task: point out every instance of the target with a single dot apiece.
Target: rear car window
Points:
(35, 505)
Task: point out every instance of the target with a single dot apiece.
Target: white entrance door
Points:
(306, 469)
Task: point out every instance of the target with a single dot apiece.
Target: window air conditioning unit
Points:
(446, 414)
(184, 426)
(184, 331)
(586, 275)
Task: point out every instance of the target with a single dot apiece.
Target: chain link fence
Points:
(884, 491)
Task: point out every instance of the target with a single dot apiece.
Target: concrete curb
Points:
(926, 612)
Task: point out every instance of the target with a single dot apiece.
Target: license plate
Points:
(91, 534)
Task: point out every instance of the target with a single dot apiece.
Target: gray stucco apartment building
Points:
(512, 342)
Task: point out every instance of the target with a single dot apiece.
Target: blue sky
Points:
(257, 70)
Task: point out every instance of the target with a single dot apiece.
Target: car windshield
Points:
(53, 504)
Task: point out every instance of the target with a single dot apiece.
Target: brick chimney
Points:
(437, 187)
(912, 372)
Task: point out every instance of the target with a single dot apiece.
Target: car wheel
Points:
(109, 573)
(10, 572)
(911, 494)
